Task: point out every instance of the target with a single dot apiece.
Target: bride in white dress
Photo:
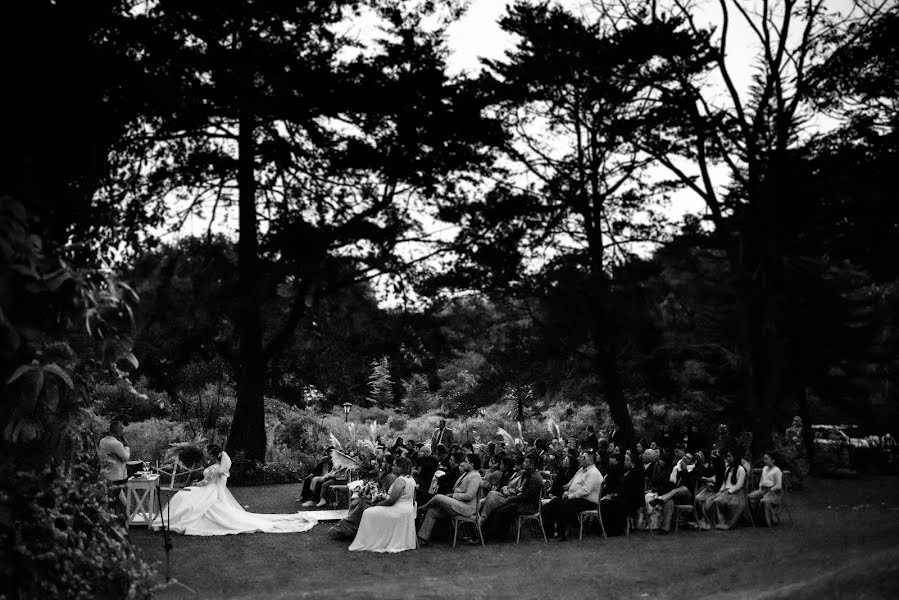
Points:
(389, 525)
(208, 508)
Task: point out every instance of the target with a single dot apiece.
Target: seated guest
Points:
(462, 501)
(612, 472)
(564, 474)
(398, 445)
(386, 474)
(468, 448)
(489, 452)
(445, 482)
(442, 456)
(389, 524)
(525, 502)
(679, 451)
(708, 481)
(322, 467)
(492, 476)
(514, 479)
(580, 494)
(770, 489)
(656, 474)
(336, 476)
(724, 509)
(424, 474)
(624, 498)
(687, 476)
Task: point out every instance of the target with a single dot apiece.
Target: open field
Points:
(844, 544)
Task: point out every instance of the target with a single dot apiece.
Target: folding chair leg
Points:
(518, 535)
(543, 529)
(455, 531)
(480, 534)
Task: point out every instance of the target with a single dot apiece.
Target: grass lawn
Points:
(844, 544)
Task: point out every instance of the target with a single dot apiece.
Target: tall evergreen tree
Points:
(322, 145)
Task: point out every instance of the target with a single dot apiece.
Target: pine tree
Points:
(380, 384)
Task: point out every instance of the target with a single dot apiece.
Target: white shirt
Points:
(113, 455)
(585, 484)
(772, 478)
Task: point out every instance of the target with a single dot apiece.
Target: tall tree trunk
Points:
(758, 267)
(248, 427)
(603, 333)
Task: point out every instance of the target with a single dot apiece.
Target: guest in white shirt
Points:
(770, 489)
(580, 494)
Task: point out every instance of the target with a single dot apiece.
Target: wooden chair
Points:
(475, 519)
(176, 478)
(336, 490)
(537, 516)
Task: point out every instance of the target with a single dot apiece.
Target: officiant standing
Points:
(442, 435)
(114, 453)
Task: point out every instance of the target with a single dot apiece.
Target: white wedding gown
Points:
(210, 509)
(389, 528)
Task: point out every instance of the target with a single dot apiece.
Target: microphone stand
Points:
(167, 541)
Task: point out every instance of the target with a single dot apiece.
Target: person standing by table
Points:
(114, 453)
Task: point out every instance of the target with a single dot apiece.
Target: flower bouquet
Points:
(371, 492)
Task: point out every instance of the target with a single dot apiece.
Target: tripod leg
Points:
(167, 544)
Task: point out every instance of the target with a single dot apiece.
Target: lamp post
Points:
(346, 411)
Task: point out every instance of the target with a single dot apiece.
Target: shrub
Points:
(375, 414)
(253, 472)
(397, 423)
(128, 403)
(149, 440)
(65, 542)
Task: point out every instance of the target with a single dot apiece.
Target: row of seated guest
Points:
(506, 490)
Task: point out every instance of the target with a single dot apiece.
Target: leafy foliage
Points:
(65, 541)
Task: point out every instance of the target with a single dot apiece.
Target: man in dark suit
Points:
(445, 482)
(525, 502)
(686, 474)
(592, 440)
(442, 435)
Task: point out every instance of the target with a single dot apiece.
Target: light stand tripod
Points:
(167, 540)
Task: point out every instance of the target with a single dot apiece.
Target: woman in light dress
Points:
(389, 525)
(724, 509)
(770, 489)
(208, 508)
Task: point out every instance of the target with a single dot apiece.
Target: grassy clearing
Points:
(844, 544)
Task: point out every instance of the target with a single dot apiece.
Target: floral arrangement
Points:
(372, 492)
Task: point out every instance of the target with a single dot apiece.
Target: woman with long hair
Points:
(208, 508)
(724, 509)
